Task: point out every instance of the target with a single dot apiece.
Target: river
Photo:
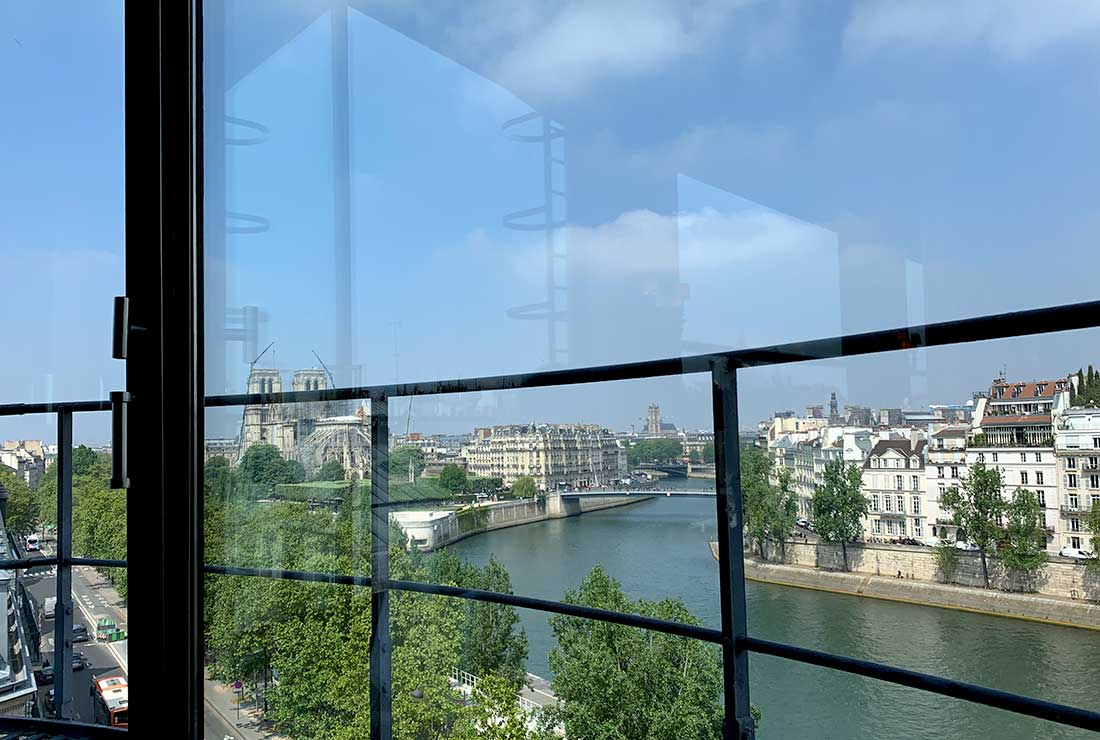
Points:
(658, 549)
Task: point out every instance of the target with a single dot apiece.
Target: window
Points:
(1096, 442)
(1075, 543)
(874, 502)
(1023, 457)
(918, 529)
(1094, 481)
(939, 470)
(916, 483)
(994, 457)
(901, 503)
(1023, 477)
(981, 457)
(876, 526)
(1092, 462)
(1038, 477)
(888, 503)
(899, 482)
(943, 489)
(916, 504)
(874, 462)
(1074, 524)
(1073, 501)
(1042, 496)
(1038, 457)
(1094, 499)
(954, 471)
(1071, 463)
(1071, 480)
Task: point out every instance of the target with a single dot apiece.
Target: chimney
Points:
(914, 437)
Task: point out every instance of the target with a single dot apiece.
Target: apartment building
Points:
(27, 457)
(555, 455)
(1012, 430)
(945, 469)
(893, 481)
(1077, 460)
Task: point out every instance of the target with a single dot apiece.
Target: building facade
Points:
(893, 481)
(1077, 460)
(555, 455)
(944, 470)
(27, 457)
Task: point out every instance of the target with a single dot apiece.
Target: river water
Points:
(659, 549)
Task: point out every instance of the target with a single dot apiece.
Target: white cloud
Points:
(563, 48)
(1011, 29)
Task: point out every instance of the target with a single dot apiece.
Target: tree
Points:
(707, 453)
(495, 714)
(524, 487)
(782, 510)
(839, 505)
(84, 459)
(622, 682)
(1025, 538)
(22, 516)
(947, 560)
(399, 462)
(263, 467)
(978, 508)
(330, 470)
(654, 451)
(756, 490)
(453, 478)
(492, 641)
(1092, 521)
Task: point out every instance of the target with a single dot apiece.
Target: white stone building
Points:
(1077, 457)
(944, 470)
(1012, 430)
(555, 455)
(893, 480)
(27, 457)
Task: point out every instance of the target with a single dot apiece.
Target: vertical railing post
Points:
(731, 563)
(381, 714)
(63, 609)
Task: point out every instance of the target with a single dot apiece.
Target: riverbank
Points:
(430, 530)
(1061, 611)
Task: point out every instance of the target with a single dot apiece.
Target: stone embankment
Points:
(1063, 593)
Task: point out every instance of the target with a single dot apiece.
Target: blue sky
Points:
(735, 173)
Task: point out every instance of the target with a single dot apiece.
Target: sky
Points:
(723, 174)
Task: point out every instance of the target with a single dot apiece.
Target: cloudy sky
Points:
(728, 173)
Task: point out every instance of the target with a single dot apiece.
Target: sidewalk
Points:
(222, 700)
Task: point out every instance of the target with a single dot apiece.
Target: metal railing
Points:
(63, 558)
(733, 636)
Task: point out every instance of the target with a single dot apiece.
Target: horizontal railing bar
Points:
(20, 563)
(996, 326)
(19, 409)
(99, 562)
(524, 602)
(288, 575)
(570, 610)
(1060, 713)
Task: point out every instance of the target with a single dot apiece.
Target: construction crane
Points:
(331, 380)
(251, 365)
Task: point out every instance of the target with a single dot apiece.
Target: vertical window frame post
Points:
(739, 724)
(63, 608)
(381, 646)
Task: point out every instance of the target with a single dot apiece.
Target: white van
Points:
(32, 543)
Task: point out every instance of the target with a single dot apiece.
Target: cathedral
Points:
(312, 432)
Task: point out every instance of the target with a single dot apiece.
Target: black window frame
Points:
(164, 283)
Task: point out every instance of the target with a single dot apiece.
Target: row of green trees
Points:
(1088, 389)
(310, 642)
(654, 451)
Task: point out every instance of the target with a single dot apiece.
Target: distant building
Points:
(859, 416)
(893, 480)
(226, 448)
(311, 432)
(1077, 456)
(653, 420)
(946, 469)
(815, 412)
(27, 457)
(555, 455)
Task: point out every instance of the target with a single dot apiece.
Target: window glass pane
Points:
(61, 204)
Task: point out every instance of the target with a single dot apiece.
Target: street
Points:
(93, 598)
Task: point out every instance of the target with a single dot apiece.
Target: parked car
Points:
(32, 543)
(804, 523)
(49, 607)
(1075, 552)
(967, 546)
(80, 633)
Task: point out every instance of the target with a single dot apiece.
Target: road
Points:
(93, 597)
